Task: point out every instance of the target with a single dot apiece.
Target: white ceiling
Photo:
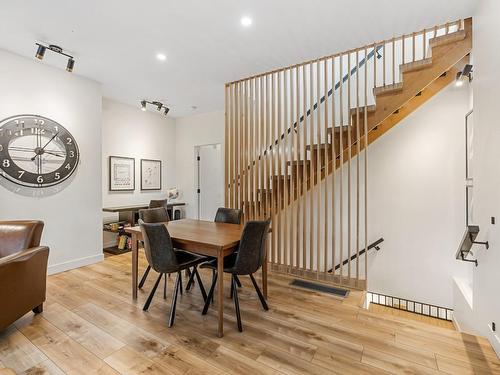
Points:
(115, 41)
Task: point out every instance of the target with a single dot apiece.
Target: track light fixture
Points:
(464, 75)
(159, 106)
(40, 54)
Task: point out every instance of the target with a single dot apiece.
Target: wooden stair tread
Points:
(337, 129)
(298, 162)
(316, 146)
(369, 108)
(448, 38)
(415, 65)
(388, 89)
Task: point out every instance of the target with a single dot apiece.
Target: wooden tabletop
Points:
(137, 207)
(193, 234)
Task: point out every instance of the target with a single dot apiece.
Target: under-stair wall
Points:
(280, 144)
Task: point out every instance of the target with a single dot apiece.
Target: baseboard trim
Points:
(76, 263)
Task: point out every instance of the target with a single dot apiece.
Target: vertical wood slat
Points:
(311, 142)
(358, 152)
(295, 118)
(334, 159)
(262, 147)
(413, 45)
(274, 177)
(279, 160)
(341, 175)
(306, 167)
(327, 159)
(226, 144)
(318, 168)
(245, 150)
(393, 63)
(384, 68)
(286, 151)
(365, 132)
(230, 150)
(296, 155)
(349, 153)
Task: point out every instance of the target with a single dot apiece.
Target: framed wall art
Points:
(150, 174)
(121, 173)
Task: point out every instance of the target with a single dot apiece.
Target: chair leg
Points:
(151, 295)
(237, 281)
(174, 300)
(232, 287)
(210, 295)
(259, 293)
(236, 304)
(38, 309)
(165, 288)
(180, 282)
(144, 277)
(200, 283)
(191, 279)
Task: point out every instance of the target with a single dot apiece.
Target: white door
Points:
(210, 180)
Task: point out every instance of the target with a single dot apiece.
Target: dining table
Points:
(207, 238)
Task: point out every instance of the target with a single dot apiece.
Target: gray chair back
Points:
(228, 215)
(158, 203)
(158, 247)
(252, 248)
(154, 215)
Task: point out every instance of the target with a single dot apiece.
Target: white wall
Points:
(417, 201)
(73, 216)
(486, 85)
(128, 131)
(194, 131)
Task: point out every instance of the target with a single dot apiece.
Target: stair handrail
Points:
(374, 245)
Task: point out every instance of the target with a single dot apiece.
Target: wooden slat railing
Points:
(289, 129)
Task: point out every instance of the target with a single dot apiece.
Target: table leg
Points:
(135, 265)
(264, 278)
(220, 293)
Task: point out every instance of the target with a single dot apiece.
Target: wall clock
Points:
(36, 151)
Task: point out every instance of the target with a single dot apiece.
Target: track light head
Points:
(40, 53)
(71, 65)
(158, 106)
(166, 110)
(143, 105)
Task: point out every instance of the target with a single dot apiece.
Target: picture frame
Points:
(121, 173)
(151, 174)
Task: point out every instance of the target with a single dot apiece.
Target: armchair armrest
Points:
(23, 278)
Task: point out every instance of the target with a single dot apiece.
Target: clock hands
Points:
(40, 151)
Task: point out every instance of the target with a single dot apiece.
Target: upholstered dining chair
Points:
(246, 261)
(163, 258)
(155, 203)
(223, 215)
(153, 215)
(23, 269)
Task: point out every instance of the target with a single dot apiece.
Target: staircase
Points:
(308, 176)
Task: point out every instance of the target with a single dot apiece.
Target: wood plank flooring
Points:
(91, 326)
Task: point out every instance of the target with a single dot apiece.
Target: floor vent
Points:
(320, 288)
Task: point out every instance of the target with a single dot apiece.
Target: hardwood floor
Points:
(91, 326)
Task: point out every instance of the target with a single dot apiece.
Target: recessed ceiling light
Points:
(246, 21)
(161, 56)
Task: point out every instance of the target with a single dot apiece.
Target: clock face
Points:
(36, 151)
